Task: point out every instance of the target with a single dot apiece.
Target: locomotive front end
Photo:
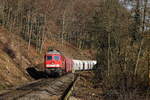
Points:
(54, 63)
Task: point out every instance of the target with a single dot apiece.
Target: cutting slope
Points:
(15, 58)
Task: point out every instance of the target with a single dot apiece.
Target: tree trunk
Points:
(108, 53)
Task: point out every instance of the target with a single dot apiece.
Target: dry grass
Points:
(84, 88)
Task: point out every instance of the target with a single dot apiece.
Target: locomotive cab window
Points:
(56, 57)
(49, 57)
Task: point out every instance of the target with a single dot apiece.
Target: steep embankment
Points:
(15, 58)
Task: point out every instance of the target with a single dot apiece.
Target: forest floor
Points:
(85, 89)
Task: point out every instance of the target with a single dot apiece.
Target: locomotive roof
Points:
(53, 52)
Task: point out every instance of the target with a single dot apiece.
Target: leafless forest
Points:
(119, 36)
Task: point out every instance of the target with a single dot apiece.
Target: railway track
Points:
(44, 89)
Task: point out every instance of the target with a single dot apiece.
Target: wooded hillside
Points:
(120, 37)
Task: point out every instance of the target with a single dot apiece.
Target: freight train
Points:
(56, 63)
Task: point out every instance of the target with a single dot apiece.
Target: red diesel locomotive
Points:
(56, 63)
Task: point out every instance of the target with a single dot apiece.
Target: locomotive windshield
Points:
(49, 57)
(56, 57)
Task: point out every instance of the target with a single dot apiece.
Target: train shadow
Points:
(35, 73)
